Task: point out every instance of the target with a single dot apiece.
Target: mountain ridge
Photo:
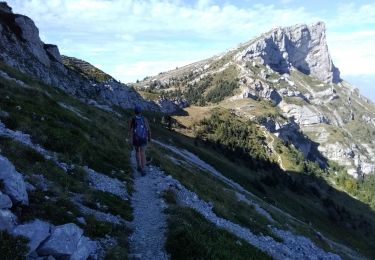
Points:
(221, 182)
(292, 68)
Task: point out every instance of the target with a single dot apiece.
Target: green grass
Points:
(190, 236)
(114, 204)
(46, 206)
(12, 248)
(207, 187)
(293, 193)
(295, 101)
(30, 162)
(85, 69)
(99, 143)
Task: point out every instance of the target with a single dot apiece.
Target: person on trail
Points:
(140, 135)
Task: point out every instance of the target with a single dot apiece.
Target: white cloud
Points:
(140, 37)
(353, 52)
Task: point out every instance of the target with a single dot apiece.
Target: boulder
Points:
(53, 51)
(7, 220)
(67, 241)
(36, 231)
(30, 35)
(14, 185)
(5, 202)
(85, 248)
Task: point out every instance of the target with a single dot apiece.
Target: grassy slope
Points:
(303, 196)
(98, 142)
(90, 137)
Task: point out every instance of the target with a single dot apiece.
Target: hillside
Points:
(310, 106)
(226, 177)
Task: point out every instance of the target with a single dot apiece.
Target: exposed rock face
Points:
(5, 202)
(67, 241)
(303, 115)
(36, 231)
(14, 185)
(169, 106)
(5, 8)
(22, 48)
(7, 220)
(302, 47)
(260, 89)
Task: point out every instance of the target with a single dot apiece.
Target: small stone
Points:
(82, 220)
(14, 185)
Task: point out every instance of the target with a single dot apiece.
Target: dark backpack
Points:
(139, 128)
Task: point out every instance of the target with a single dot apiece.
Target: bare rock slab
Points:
(14, 185)
(36, 231)
(67, 241)
(7, 220)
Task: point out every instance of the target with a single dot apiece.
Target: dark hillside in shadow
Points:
(304, 194)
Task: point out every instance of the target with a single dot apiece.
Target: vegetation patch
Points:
(224, 200)
(190, 236)
(108, 203)
(11, 247)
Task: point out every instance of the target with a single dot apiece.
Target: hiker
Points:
(140, 134)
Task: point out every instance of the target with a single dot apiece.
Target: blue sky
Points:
(131, 39)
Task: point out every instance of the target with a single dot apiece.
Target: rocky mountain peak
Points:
(4, 7)
(301, 46)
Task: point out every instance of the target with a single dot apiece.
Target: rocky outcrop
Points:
(258, 89)
(14, 185)
(170, 105)
(301, 46)
(36, 231)
(22, 48)
(7, 220)
(67, 241)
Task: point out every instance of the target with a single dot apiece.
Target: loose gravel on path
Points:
(149, 221)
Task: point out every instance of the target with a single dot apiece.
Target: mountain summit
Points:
(310, 106)
(300, 46)
(225, 179)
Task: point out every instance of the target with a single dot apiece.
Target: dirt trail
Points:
(149, 223)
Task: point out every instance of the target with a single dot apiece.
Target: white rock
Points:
(36, 231)
(5, 202)
(7, 220)
(14, 185)
(63, 241)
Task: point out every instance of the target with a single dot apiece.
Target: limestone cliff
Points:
(310, 106)
(301, 46)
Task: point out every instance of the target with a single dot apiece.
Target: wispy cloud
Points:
(135, 38)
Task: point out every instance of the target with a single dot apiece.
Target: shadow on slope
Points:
(304, 194)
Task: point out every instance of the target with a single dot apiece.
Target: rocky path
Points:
(149, 223)
(294, 246)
